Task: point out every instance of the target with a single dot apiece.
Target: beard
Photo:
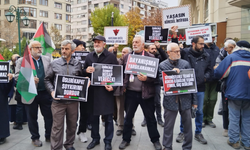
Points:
(137, 49)
(98, 49)
(175, 57)
(197, 49)
(35, 54)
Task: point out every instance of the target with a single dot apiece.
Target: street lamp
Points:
(112, 19)
(10, 18)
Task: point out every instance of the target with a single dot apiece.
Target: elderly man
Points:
(100, 98)
(43, 98)
(234, 69)
(66, 65)
(173, 104)
(139, 91)
(198, 59)
(80, 45)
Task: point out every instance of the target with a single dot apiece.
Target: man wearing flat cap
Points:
(80, 45)
(100, 98)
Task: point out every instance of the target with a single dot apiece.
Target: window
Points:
(67, 37)
(46, 25)
(206, 9)
(149, 8)
(142, 12)
(68, 7)
(90, 22)
(83, 22)
(29, 11)
(84, 36)
(58, 16)
(129, 7)
(58, 26)
(43, 2)
(106, 3)
(58, 5)
(68, 28)
(116, 5)
(122, 6)
(32, 2)
(28, 35)
(95, 5)
(32, 24)
(68, 18)
(43, 13)
(6, 1)
(84, 7)
(122, 13)
(83, 29)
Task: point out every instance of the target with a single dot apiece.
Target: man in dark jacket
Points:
(173, 104)
(66, 65)
(235, 69)
(100, 98)
(199, 59)
(140, 90)
(210, 97)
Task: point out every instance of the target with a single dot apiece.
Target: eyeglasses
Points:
(38, 47)
(200, 44)
(176, 52)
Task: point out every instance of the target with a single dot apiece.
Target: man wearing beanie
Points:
(80, 45)
(234, 68)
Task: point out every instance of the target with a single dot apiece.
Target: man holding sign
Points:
(140, 90)
(66, 65)
(100, 98)
(174, 103)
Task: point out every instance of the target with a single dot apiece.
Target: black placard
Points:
(107, 74)
(80, 55)
(4, 70)
(142, 64)
(155, 33)
(182, 83)
(71, 88)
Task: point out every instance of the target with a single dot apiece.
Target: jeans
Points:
(199, 113)
(239, 109)
(20, 113)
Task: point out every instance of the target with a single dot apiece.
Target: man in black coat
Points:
(198, 59)
(100, 98)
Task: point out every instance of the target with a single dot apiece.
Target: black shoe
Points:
(203, 124)
(180, 138)
(71, 148)
(211, 124)
(89, 127)
(133, 132)
(93, 144)
(123, 144)
(157, 145)
(199, 137)
(47, 140)
(18, 127)
(37, 143)
(220, 112)
(161, 123)
(119, 132)
(108, 146)
(2, 141)
(144, 123)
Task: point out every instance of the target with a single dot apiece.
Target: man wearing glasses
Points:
(43, 98)
(198, 59)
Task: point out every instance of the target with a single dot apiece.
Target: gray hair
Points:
(129, 49)
(142, 38)
(229, 42)
(33, 42)
(66, 42)
(170, 46)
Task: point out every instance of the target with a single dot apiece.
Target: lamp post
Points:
(112, 19)
(10, 18)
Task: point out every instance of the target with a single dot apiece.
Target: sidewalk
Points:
(20, 140)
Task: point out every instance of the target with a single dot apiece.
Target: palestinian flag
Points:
(25, 84)
(1, 58)
(43, 37)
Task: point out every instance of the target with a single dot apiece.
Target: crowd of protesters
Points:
(225, 70)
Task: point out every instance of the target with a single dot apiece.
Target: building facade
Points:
(231, 17)
(52, 12)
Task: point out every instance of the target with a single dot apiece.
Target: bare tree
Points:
(56, 36)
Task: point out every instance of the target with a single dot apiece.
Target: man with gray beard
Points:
(100, 98)
(43, 98)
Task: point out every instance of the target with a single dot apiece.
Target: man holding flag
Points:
(30, 73)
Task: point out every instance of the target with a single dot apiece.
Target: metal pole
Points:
(18, 22)
(112, 19)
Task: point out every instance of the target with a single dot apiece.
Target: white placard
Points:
(176, 16)
(203, 31)
(116, 34)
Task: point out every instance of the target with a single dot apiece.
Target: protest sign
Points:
(71, 88)
(107, 74)
(182, 83)
(142, 64)
(176, 16)
(80, 55)
(117, 35)
(4, 70)
(155, 33)
(202, 31)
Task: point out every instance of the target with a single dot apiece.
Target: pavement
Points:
(20, 139)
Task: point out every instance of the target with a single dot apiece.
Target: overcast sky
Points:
(171, 3)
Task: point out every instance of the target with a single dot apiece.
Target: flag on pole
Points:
(43, 37)
(1, 58)
(25, 84)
